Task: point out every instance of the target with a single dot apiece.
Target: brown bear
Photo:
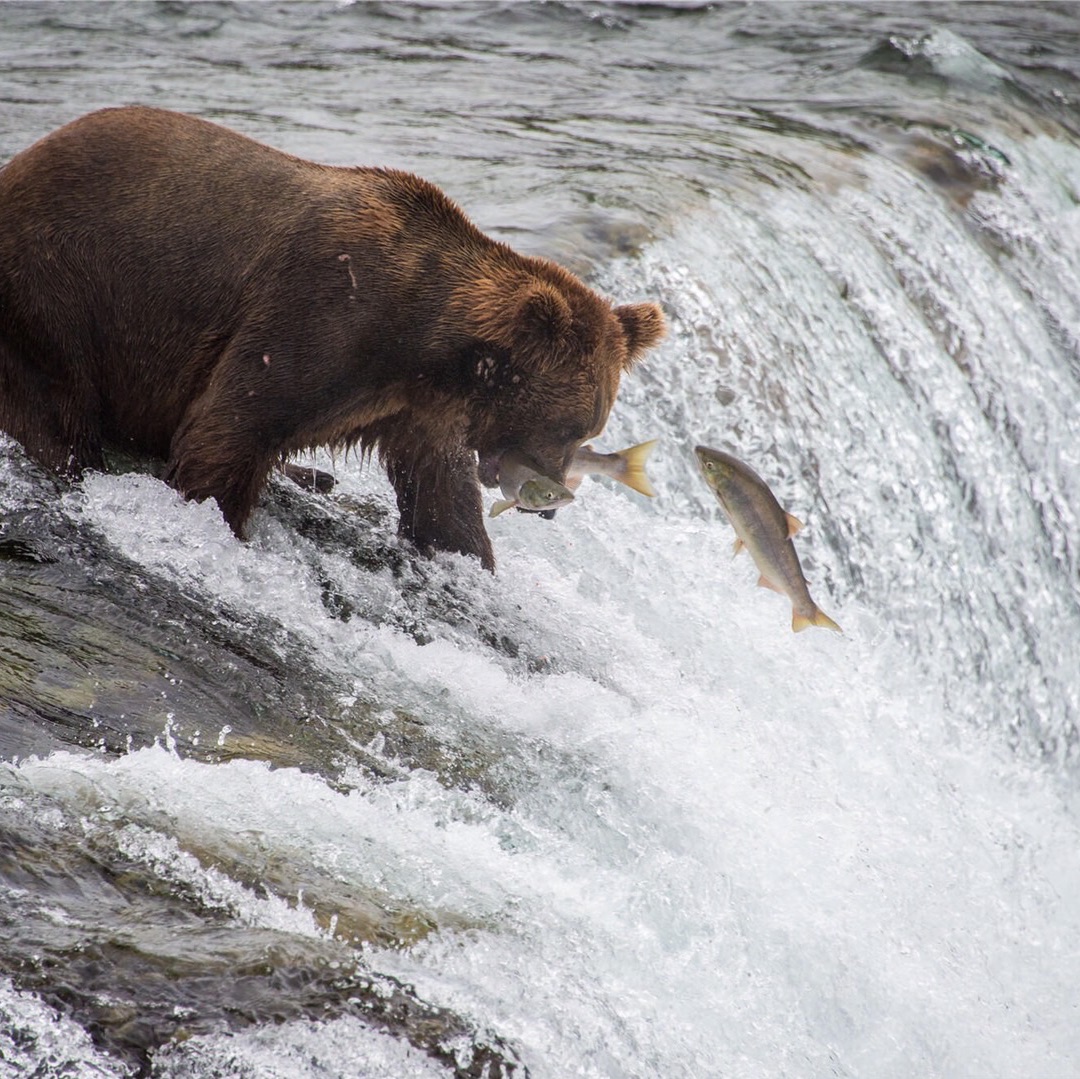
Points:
(171, 287)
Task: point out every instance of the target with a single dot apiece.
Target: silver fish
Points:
(522, 486)
(627, 466)
(765, 530)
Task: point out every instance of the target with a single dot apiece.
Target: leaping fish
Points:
(765, 530)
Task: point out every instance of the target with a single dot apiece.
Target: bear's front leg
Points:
(438, 497)
(217, 452)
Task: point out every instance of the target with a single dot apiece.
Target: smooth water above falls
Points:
(310, 807)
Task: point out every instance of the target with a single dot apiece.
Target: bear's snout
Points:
(487, 469)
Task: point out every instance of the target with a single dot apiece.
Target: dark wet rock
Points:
(98, 656)
(428, 597)
(309, 477)
(142, 963)
(101, 655)
(95, 659)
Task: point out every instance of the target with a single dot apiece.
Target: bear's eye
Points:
(486, 370)
(484, 366)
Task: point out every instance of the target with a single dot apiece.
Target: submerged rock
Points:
(143, 962)
(101, 656)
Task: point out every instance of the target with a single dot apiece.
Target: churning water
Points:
(306, 807)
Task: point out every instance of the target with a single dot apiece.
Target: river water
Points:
(307, 806)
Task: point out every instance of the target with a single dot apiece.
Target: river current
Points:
(309, 806)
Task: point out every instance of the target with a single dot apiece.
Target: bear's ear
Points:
(644, 325)
(542, 314)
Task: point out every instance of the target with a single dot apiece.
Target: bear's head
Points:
(543, 363)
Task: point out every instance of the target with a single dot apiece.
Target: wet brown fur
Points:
(169, 286)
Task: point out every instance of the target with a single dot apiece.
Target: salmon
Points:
(765, 530)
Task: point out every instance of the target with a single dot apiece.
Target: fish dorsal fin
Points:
(737, 546)
(764, 582)
(794, 525)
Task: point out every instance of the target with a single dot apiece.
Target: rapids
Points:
(309, 806)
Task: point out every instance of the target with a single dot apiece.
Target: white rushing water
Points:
(731, 850)
(726, 850)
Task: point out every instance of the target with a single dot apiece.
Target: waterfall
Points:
(604, 811)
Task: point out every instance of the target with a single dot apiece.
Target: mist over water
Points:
(602, 814)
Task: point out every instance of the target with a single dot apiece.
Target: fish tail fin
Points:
(633, 474)
(799, 622)
(502, 506)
